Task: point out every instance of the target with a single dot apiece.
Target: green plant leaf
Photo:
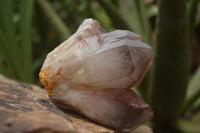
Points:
(171, 63)
(193, 91)
(11, 49)
(26, 9)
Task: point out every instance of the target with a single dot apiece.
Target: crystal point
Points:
(92, 73)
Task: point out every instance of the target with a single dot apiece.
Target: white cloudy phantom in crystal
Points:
(94, 60)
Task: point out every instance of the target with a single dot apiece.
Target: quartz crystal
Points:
(92, 73)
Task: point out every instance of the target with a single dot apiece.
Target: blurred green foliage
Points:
(15, 34)
(30, 29)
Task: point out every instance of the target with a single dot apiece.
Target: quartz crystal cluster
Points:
(92, 73)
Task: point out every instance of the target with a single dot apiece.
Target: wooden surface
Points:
(26, 108)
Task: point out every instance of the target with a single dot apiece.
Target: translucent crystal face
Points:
(95, 59)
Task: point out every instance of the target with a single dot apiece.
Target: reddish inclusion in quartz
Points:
(46, 81)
